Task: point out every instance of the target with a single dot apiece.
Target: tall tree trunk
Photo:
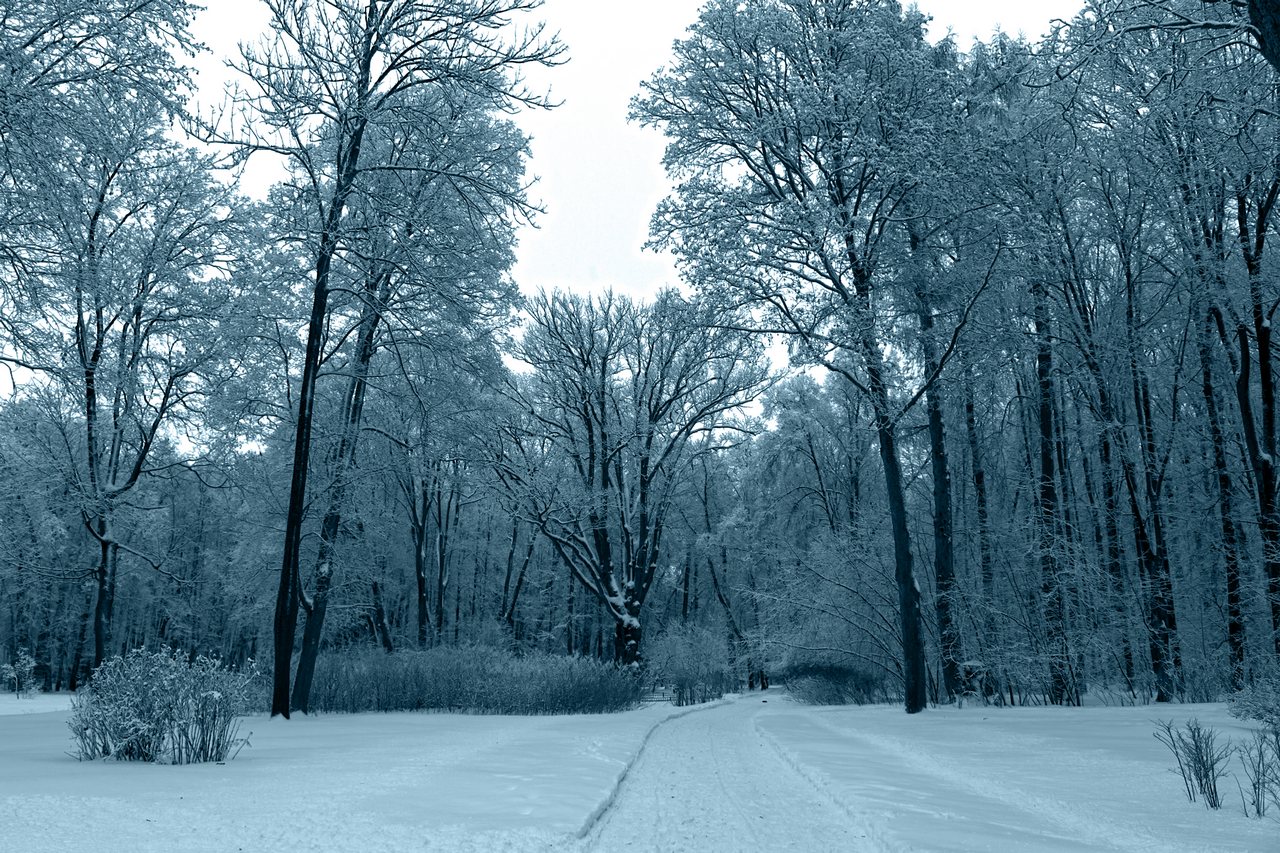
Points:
(447, 504)
(914, 669)
(420, 575)
(316, 608)
(986, 560)
(376, 292)
(1061, 685)
(943, 544)
(913, 662)
(511, 564)
(417, 492)
(289, 591)
(102, 589)
(1226, 511)
(1253, 219)
(1161, 619)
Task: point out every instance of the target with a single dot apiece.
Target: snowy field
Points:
(755, 773)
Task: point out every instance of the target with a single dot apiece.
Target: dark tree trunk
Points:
(1253, 219)
(312, 630)
(914, 668)
(1061, 685)
(1226, 512)
(510, 570)
(943, 544)
(446, 515)
(376, 293)
(627, 635)
(73, 679)
(509, 607)
(986, 559)
(1265, 17)
(913, 664)
(420, 575)
(1111, 540)
(101, 607)
(1162, 622)
(419, 499)
(288, 594)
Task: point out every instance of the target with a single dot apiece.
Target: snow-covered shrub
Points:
(1202, 761)
(827, 679)
(155, 706)
(1260, 757)
(554, 684)
(470, 678)
(20, 676)
(1259, 701)
(693, 662)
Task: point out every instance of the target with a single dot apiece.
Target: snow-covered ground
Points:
(755, 773)
(34, 703)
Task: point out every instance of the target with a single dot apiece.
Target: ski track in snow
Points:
(775, 776)
(709, 781)
(1056, 824)
(972, 790)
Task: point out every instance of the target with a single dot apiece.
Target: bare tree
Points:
(622, 391)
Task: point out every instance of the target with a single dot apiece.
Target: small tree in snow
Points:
(20, 676)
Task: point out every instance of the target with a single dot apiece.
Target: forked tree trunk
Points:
(509, 604)
(289, 591)
(376, 293)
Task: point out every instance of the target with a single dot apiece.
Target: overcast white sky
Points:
(599, 177)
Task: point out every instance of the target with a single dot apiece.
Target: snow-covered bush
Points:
(1259, 701)
(1260, 758)
(693, 662)
(1202, 760)
(470, 678)
(830, 679)
(20, 676)
(155, 706)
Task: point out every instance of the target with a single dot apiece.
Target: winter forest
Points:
(967, 388)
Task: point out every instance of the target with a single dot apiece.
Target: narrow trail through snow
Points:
(710, 781)
(753, 775)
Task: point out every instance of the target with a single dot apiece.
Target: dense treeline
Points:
(1025, 446)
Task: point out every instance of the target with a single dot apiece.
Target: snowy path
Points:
(709, 781)
(773, 775)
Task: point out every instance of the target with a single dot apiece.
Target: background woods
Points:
(1022, 445)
